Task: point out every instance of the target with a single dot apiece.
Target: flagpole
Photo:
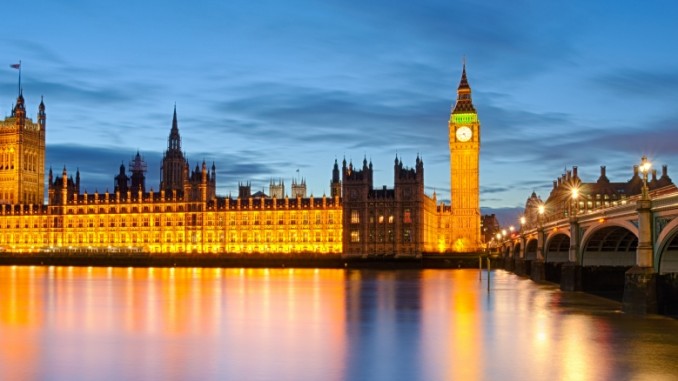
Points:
(19, 77)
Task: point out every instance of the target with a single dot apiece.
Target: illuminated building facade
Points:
(22, 156)
(464, 140)
(592, 195)
(186, 215)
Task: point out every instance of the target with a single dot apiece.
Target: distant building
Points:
(590, 196)
(490, 227)
(277, 189)
(299, 188)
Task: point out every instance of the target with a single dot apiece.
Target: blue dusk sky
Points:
(263, 88)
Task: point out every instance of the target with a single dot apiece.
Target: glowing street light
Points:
(645, 166)
(575, 196)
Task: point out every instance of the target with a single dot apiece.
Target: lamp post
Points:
(640, 286)
(541, 211)
(575, 198)
(645, 166)
(540, 231)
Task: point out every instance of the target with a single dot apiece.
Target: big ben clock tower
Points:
(464, 135)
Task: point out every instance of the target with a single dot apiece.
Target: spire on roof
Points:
(464, 102)
(174, 140)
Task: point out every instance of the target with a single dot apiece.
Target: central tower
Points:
(172, 172)
(464, 138)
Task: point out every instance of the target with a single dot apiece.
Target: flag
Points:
(15, 66)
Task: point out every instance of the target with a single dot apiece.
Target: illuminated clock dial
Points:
(464, 134)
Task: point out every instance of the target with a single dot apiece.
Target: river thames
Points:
(80, 323)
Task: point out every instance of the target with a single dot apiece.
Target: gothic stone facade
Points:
(22, 156)
(186, 215)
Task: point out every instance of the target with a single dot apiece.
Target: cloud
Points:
(639, 83)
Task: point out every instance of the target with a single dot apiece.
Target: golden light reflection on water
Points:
(453, 315)
(64, 323)
(171, 322)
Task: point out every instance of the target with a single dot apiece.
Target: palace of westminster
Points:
(187, 216)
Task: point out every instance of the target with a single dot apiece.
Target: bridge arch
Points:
(557, 248)
(506, 251)
(666, 249)
(610, 244)
(531, 248)
(517, 250)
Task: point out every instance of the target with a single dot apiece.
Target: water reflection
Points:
(77, 323)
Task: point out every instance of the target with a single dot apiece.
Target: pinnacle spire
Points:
(175, 126)
(174, 141)
(464, 102)
(463, 83)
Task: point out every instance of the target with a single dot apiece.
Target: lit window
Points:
(355, 236)
(355, 217)
(407, 236)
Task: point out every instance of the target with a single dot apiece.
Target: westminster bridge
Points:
(627, 252)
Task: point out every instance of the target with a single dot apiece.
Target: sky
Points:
(266, 88)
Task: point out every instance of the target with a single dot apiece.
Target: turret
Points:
(335, 184)
(77, 181)
(64, 186)
(121, 181)
(42, 117)
(203, 182)
(19, 111)
(137, 169)
(174, 140)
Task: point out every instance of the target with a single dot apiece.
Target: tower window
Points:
(355, 217)
(407, 216)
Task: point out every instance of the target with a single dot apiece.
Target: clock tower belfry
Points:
(464, 138)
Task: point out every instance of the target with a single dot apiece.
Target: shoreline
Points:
(249, 261)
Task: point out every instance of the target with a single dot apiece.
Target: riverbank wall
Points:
(431, 261)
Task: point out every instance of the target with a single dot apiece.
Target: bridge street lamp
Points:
(645, 166)
(541, 209)
(540, 231)
(640, 290)
(575, 200)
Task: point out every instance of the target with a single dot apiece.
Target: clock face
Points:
(464, 134)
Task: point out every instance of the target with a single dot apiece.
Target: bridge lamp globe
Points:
(511, 228)
(541, 210)
(575, 193)
(522, 220)
(503, 232)
(645, 165)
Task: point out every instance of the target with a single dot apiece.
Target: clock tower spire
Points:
(464, 140)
